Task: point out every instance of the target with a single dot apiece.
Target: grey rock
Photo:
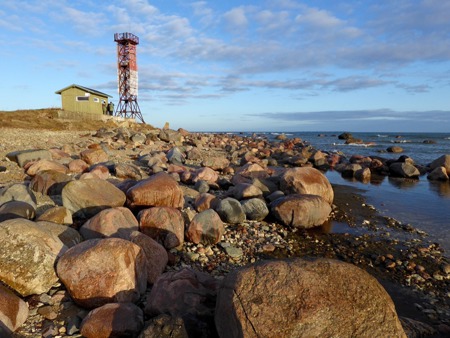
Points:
(230, 211)
(22, 157)
(255, 209)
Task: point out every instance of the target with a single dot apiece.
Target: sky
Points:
(258, 65)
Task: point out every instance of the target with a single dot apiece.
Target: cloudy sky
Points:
(259, 65)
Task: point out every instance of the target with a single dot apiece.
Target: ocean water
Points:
(422, 147)
(422, 203)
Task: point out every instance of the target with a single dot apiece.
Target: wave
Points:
(401, 141)
(378, 135)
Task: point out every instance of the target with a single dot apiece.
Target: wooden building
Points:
(79, 99)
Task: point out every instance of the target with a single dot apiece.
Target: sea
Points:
(423, 204)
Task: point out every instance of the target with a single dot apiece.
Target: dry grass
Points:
(46, 119)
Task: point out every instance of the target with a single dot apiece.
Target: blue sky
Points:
(267, 65)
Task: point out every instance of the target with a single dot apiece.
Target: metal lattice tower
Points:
(127, 74)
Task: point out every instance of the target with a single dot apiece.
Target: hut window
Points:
(96, 99)
(82, 98)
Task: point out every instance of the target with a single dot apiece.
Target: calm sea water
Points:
(421, 203)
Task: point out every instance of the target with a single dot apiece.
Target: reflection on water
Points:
(441, 188)
(422, 203)
(403, 183)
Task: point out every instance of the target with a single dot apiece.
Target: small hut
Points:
(79, 99)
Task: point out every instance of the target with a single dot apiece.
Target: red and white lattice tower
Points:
(127, 74)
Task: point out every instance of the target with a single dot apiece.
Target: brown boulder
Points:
(252, 170)
(49, 182)
(205, 201)
(45, 164)
(306, 180)
(155, 254)
(159, 190)
(299, 298)
(301, 211)
(206, 228)
(188, 294)
(443, 161)
(86, 198)
(101, 271)
(163, 224)
(394, 149)
(216, 162)
(78, 166)
(205, 174)
(112, 222)
(94, 156)
(246, 190)
(113, 320)
(60, 215)
(13, 311)
(438, 174)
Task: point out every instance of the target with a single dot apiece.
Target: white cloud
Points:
(318, 18)
(236, 18)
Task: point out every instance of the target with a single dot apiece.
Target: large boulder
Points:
(27, 256)
(49, 182)
(443, 161)
(57, 214)
(188, 294)
(16, 209)
(112, 222)
(86, 198)
(113, 320)
(301, 211)
(404, 170)
(246, 190)
(299, 298)
(164, 224)
(205, 201)
(22, 157)
(17, 192)
(159, 190)
(69, 236)
(13, 311)
(101, 271)
(45, 165)
(206, 228)
(306, 180)
(438, 174)
(155, 255)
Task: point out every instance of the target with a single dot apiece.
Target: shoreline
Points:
(379, 244)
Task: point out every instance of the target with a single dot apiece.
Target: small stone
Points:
(390, 265)
(446, 268)
(438, 276)
(234, 252)
(268, 247)
(420, 268)
(193, 256)
(47, 312)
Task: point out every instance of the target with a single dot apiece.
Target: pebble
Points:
(234, 252)
(446, 269)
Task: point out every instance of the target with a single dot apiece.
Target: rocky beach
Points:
(126, 230)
